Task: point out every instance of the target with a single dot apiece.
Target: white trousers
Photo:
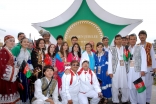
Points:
(83, 98)
(115, 93)
(73, 97)
(137, 98)
(148, 84)
(39, 101)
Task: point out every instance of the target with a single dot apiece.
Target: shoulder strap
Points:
(48, 85)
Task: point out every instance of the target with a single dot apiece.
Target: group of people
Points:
(41, 72)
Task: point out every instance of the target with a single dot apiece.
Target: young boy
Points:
(46, 88)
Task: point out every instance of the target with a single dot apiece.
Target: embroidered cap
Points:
(7, 37)
(85, 61)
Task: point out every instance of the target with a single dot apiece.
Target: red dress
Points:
(8, 90)
(72, 57)
(49, 61)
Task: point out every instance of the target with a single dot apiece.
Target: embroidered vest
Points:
(114, 58)
(137, 58)
(148, 47)
(44, 85)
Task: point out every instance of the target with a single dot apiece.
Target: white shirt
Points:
(38, 92)
(67, 89)
(85, 85)
(132, 74)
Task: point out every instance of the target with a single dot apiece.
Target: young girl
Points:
(22, 55)
(61, 61)
(101, 64)
(50, 59)
(75, 54)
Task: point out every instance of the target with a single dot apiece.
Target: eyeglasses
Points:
(75, 65)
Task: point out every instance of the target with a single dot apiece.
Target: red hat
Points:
(7, 37)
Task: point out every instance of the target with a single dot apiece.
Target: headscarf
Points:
(7, 37)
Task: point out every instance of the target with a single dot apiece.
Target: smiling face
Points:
(85, 65)
(41, 44)
(10, 43)
(99, 48)
(75, 66)
(21, 36)
(25, 43)
(65, 46)
(52, 48)
(48, 73)
(46, 37)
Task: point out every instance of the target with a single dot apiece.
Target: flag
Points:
(139, 84)
(25, 69)
(126, 54)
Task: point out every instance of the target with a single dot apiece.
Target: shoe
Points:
(147, 103)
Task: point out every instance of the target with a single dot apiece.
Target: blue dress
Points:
(102, 62)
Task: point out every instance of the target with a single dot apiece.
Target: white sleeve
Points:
(55, 94)
(152, 53)
(110, 63)
(66, 84)
(96, 83)
(38, 91)
(143, 60)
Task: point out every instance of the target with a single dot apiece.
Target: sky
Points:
(18, 15)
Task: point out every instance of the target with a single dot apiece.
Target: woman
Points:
(101, 64)
(88, 55)
(8, 86)
(50, 59)
(23, 56)
(75, 53)
(37, 57)
(44, 94)
(61, 61)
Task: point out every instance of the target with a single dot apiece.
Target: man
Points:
(105, 42)
(59, 43)
(74, 40)
(71, 85)
(92, 43)
(137, 69)
(124, 41)
(46, 88)
(46, 37)
(151, 63)
(117, 71)
(89, 85)
(20, 36)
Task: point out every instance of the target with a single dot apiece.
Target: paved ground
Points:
(153, 100)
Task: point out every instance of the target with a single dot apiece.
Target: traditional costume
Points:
(117, 67)
(72, 56)
(42, 92)
(70, 88)
(8, 74)
(51, 61)
(21, 55)
(89, 87)
(151, 64)
(37, 57)
(136, 65)
(101, 64)
(61, 67)
(90, 57)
